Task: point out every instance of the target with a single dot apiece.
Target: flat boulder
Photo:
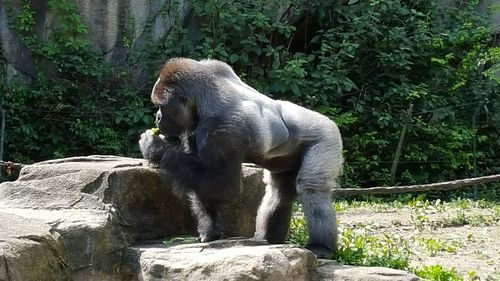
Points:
(238, 260)
(245, 260)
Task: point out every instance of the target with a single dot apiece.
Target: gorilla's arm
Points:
(213, 172)
(153, 146)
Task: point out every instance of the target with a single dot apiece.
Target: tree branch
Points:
(449, 185)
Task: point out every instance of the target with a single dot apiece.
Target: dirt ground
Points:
(471, 244)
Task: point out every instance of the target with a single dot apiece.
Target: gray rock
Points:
(88, 210)
(328, 270)
(238, 260)
(127, 189)
(246, 259)
(29, 247)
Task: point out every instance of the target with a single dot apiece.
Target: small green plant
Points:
(467, 203)
(181, 240)
(358, 247)
(298, 231)
(437, 273)
(435, 245)
(462, 218)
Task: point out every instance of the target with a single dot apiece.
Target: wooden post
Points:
(474, 150)
(2, 132)
(397, 155)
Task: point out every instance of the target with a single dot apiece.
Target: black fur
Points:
(223, 122)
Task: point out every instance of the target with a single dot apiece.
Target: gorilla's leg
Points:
(317, 176)
(207, 216)
(275, 211)
(321, 223)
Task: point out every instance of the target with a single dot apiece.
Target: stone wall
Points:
(110, 22)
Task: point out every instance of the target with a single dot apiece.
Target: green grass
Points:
(357, 246)
(391, 206)
(435, 245)
(360, 244)
(437, 273)
(174, 241)
(463, 218)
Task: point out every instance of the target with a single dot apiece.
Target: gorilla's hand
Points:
(153, 146)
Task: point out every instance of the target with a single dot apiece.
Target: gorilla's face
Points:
(177, 111)
(175, 117)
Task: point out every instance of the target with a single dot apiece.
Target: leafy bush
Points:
(373, 66)
(80, 107)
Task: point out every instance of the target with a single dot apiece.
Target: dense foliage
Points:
(385, 71)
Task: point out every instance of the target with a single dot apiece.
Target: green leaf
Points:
(234, 58)
(295, 89)
(244, 56)
(276, 60)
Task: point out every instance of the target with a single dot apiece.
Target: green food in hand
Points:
(155, 131)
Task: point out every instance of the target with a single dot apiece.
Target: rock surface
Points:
(247, 259)
(238, 260)
(115, 28)
(88, 210)
(327, 270)
(86, 218)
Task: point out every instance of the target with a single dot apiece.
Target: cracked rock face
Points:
(76, 216)
(21, 239)
(115, 28)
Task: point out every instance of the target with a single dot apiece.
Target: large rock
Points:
(124, 188)
(87, 210)
(238, 260)
(245, 260)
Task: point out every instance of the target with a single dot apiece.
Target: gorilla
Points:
(222, 122)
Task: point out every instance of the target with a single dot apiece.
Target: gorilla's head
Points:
(177, 110)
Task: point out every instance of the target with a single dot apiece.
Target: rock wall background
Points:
(116, 28)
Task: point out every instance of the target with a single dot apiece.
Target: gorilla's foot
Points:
(209, 237)
(320, 251)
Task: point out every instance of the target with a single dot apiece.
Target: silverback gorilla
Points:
(222, 123)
